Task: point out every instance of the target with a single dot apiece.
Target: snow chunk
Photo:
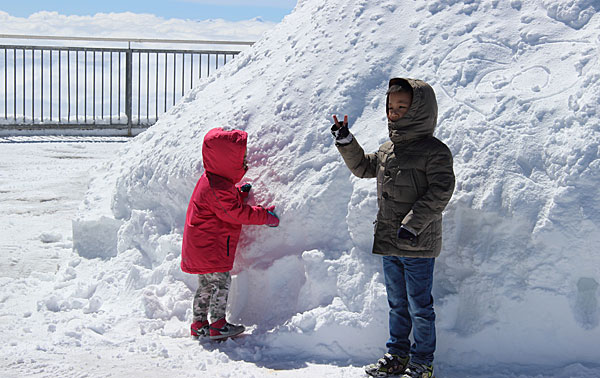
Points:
(96, 238)
(50, 237)
(575, 13)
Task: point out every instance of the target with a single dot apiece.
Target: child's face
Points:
(399, 103)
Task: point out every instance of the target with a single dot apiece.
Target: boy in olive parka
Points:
(415, 181)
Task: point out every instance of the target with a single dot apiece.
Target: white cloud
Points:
(284, 4)
(131, 25)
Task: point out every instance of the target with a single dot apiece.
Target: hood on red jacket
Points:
(223, 153)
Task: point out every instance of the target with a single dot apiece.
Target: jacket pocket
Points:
(228, 239)
(425, 240)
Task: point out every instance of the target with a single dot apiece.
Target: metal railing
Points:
(64, 87)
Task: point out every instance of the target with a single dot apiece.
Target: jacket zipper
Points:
(228, 245)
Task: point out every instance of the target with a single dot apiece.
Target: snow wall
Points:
(518, 84)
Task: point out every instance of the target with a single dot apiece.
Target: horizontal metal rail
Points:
(97, 87)
(116, 39)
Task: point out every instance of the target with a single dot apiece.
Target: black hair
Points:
(399, 85)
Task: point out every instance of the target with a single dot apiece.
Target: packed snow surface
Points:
(516, 286)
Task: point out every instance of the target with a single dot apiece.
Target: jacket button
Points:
(385, 195)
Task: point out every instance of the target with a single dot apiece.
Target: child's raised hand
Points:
(337, 123)
(340, 131)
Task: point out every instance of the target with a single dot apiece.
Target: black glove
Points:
(340, 132)
(405, 234)
(245, 188)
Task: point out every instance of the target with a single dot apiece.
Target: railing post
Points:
(128, 89)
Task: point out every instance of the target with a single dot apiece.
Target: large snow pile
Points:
(518, 84)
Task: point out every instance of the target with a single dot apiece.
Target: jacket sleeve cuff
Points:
(409, 229)
(344, 141)
(406, 223)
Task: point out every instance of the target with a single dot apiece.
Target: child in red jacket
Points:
(214, 220)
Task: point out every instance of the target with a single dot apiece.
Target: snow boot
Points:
(199, 329)
(414, 370)
(388, 365)
(221, 329)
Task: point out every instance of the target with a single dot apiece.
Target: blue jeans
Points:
(408, 282)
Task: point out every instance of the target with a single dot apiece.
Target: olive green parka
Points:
(415, 179)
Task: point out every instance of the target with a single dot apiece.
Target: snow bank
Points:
(517, 282)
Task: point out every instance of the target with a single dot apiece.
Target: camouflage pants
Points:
(211, 296)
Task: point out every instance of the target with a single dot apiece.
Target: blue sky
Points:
(233, 10)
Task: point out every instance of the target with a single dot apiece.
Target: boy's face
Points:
(399, 103)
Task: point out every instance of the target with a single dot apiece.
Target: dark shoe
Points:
(222, 330)
(414, 370)
(388, 365)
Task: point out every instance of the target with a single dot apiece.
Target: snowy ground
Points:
(42, 181)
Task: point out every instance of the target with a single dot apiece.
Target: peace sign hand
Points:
(340, 131)
(337, 123)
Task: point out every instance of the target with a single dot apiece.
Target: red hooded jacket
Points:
(216, 211)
